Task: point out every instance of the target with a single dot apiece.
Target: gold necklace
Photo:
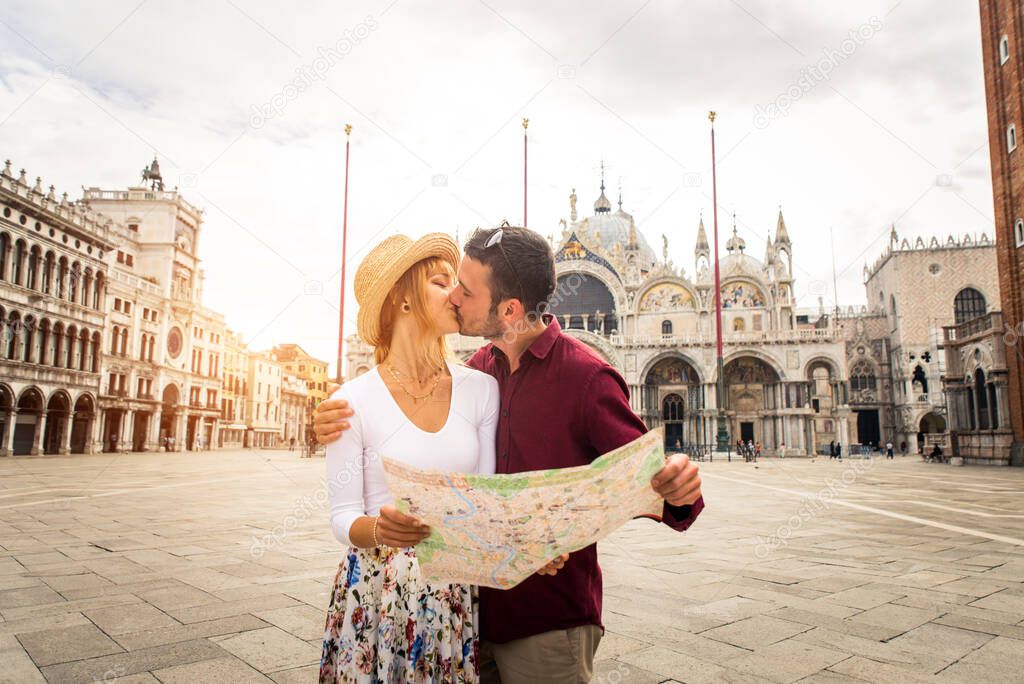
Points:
(415, 398)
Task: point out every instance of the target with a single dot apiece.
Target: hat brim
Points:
(432, 245)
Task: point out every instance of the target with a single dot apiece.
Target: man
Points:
(561, 406)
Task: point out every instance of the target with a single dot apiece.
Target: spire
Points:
(781, 235)
(602, 205)
(620, 194)
(702, 247)
(769, 251)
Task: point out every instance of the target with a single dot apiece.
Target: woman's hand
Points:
(554, 566)
(399, 530)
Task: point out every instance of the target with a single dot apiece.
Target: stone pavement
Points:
(215, 567)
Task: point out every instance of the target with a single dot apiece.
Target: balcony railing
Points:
(975, 326)
(115, 392)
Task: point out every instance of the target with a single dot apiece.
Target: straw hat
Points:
(385, 265)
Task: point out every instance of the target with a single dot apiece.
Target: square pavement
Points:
(215, 567)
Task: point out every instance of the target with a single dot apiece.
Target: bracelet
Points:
(376, 519)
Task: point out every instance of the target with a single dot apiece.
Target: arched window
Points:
(968, 304)
(862, 378)
(892, 305)
(1018, 232)
(666, 327)
(1011, 138)
(1004, 50)
(673, 407)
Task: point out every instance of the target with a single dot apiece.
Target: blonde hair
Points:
(413, 286)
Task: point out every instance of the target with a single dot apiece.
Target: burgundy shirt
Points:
(564, 406)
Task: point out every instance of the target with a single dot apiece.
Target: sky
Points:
(850, 116)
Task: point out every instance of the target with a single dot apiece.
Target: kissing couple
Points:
(533, 398)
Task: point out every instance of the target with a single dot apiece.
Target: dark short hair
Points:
(528, 253)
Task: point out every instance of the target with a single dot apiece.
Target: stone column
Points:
(127, 426)
(153, 437)
(215, 436)
(65, 438)
(92, 443)
(7, 447)
(37, 438)
(181, 431)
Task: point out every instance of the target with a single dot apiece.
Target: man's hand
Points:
(678, 482)
(397, 529)
(554, 566)
(330, 415)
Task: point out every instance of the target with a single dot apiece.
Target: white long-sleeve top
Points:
(355, 472)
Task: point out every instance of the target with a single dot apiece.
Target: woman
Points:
(384, 622)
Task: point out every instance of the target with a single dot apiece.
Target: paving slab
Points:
(159, 581)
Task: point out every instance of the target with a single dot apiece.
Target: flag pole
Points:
(526, 122)
(344, 246)
(722, 437)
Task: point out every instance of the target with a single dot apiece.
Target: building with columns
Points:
(914, 291)
(162, 376)
(53, 281)
(294, 409)
(796, 379)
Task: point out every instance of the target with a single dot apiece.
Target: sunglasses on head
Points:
(495, 239)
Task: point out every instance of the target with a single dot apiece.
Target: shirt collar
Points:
(540, 347)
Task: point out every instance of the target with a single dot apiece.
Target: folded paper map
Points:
(497, 530)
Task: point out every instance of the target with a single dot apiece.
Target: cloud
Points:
(434, 92)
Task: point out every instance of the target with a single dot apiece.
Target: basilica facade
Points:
(784, 376)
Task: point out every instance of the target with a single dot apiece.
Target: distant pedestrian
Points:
(903, 448)
(831, 449)
(888, 450)
(782, 451)
(291, 445)
(839, 450)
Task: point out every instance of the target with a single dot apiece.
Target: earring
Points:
(405, 307)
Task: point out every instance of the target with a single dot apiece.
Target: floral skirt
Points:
(386, 625)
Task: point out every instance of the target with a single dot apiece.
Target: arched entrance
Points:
(931, 430)
(671, 396)
(169, 418)
(750, 392)
(57, 410)
(81, 424)
(26, 420)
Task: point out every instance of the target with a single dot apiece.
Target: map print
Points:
(497, 530)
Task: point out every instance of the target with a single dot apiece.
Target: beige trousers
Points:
(564, 656)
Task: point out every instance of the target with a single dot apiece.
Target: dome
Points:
(602, 204)
(738, 263)
(613, 229)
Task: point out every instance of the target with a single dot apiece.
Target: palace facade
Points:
(105, 343)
